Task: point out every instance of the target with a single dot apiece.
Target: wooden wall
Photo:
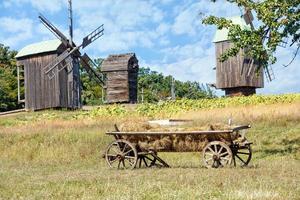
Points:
(121, 78)
(41, 92)
(236, 71)
(117, 87)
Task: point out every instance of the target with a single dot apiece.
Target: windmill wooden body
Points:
(121, 78)
(239, 75)
(51, 69)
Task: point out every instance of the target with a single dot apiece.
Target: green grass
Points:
(51, 155)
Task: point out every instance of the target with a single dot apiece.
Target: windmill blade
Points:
(85, 61)
(269, 73)
(248, 17)
(54, 30)
(52, 65)
(67, 62)
(97, 33)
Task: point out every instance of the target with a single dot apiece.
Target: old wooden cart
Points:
(127, 153)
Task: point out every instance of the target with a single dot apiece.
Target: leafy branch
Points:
(278, 21)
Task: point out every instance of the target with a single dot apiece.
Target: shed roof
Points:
(222, 35)
(37, 48)
(117, 62)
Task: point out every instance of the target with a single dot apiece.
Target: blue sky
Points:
(166, 35)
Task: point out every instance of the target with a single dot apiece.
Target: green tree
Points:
(8, 79)
(278, 19)
(156, 87)
(91, 89)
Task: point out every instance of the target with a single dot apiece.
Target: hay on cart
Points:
(173, 141)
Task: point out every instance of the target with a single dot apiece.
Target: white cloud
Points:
(195, 50)
(188, 63)
(187, 21)
(188, 18)
(286, 78)
(127, 24)
(163, 28)
(15, 30)
(42, 5)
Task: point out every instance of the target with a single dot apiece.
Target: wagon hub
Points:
(121, 156)
(216, 157)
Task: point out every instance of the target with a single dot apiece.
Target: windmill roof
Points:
(222, 34)
(37, 48)
(117, 62)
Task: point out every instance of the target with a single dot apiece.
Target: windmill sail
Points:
(54, 30)
(85, 62)
(59, 59)
(93, 36)
(72, 51)
(269, 73)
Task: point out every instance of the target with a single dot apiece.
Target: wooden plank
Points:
(233, 72)
(170, 133)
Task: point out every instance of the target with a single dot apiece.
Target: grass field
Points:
(54, 155)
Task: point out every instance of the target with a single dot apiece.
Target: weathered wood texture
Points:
(236, 72)
(41, 92)
(122, 74)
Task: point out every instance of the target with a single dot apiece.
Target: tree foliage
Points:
(278, 20)
(91, 89)
(8, 79)
(155, 87)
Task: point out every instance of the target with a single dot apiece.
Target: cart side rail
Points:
(169, 132)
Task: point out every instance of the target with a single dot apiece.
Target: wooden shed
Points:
(121, 78)
(239, 75)
(57, 90)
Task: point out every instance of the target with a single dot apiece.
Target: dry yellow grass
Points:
(60, 158)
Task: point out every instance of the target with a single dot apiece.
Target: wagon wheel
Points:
(121, 154)
(217, 154)
(146, 161)
(241, 155)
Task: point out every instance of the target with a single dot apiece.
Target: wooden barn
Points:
(59, 89)
(121, 78)
(238, 75)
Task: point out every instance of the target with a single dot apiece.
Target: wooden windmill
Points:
(51, 68)
(239, 75)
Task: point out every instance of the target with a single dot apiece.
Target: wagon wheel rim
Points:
(217, 154)
(242, 155)
(121, 154)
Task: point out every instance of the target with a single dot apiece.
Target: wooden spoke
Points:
(129, 157)
(211, 150)
(240, 159)
(131, 163)
(119, 164)
(223, 154)
(124, 148)
(147, 161)
(242, 155)
(128, 151)
(220, 150)
(217, 154)
(115, 152)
